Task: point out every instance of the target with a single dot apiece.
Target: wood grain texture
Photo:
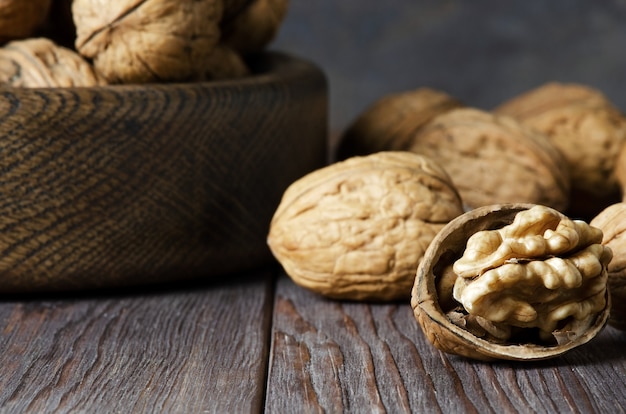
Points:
(193, 350)
(129, 185)
(332, 356)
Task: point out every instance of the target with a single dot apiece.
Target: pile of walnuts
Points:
(62, 43)
(467, 212)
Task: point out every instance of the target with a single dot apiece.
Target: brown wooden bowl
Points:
(126, 185)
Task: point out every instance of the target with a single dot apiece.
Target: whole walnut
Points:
(39, 63)
(139, 41)
(513, 281)
(494, 159)
(20, 19)
(612, 221)
(357, 229)
(390, 122)
(233, 7)
(620, 170)
(253, 26)
(584, 126)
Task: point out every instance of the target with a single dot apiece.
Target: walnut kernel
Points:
(520, 281)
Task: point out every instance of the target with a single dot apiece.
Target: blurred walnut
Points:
(514, 281)
(585, 127)
(493, 159)
(358, 229)
(20, 19)
(620, 170)
(391, 122)
(138, 41)
(612, 221)
(39, 62)
(254, 25)
(223, 63)
(233, 7)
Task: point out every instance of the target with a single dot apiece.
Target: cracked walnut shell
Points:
(140, 41)
(40, 63)
(612, 221)
(493, 159)
(582, 124)
(513, 281)
(357, 229)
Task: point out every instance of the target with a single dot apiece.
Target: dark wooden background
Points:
(481, 51)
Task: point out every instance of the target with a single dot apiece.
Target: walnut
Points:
(357, 229)
(20, 19)
(493, 159)
(513, 281)
(612, 221)
(584, 126)
(39, 63)
(139, 41)
(223, 63)
(620, 170)
(233, 7)
(391, 122)
(254, 26)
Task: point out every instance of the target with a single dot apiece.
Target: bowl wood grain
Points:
(128, 185)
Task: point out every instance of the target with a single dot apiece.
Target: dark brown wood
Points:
(134, 184)
(331, 356)
(196, 349)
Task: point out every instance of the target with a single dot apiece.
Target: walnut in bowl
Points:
(513, 281)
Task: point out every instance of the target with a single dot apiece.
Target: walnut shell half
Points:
(512, 281)
(357, 229)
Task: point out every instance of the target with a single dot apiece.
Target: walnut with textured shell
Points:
(253, 26)
(612, 221)
(390, 123)
(512, 281)
(357, 229)
(584, 126)
(41, 63)
(132, 41)
(493, 159)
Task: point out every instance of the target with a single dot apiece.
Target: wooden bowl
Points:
(127, 185)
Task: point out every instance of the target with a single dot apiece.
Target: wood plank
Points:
(333, 356)
(195, 349)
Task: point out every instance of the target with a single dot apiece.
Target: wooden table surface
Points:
(256, 342)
